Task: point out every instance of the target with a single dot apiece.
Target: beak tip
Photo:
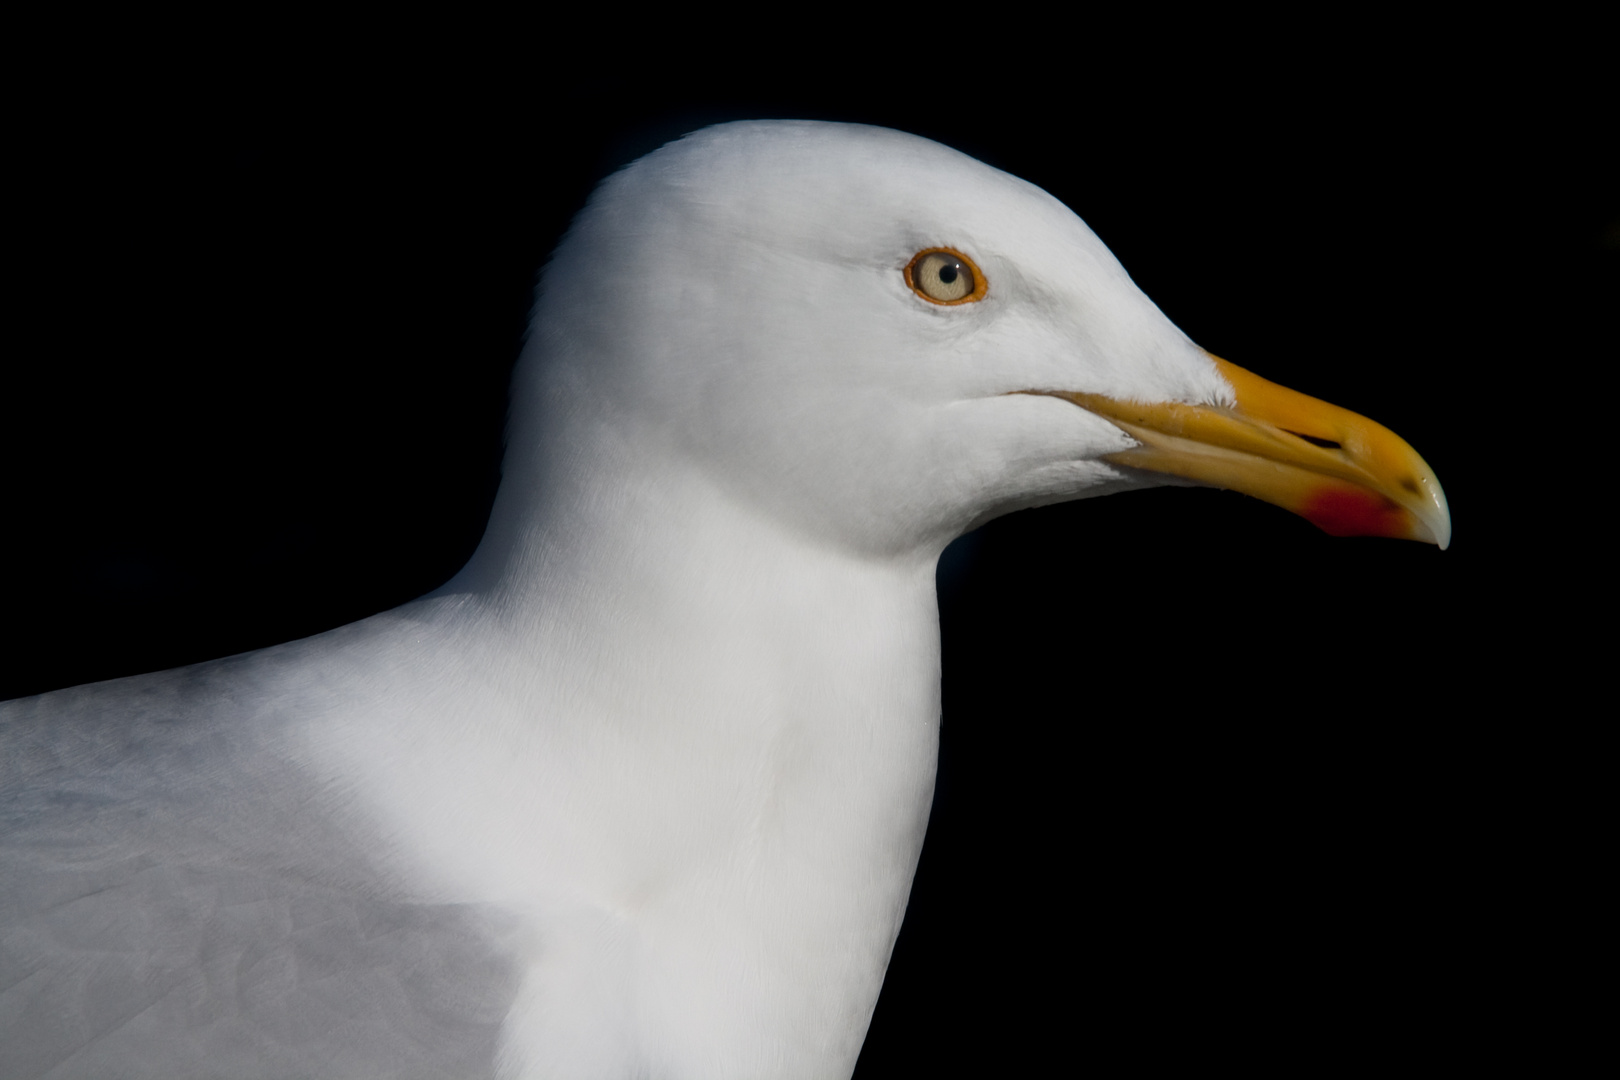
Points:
(1441, 528)
(1436, 531)
(1436, 515)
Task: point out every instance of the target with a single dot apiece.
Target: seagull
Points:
(640, 792)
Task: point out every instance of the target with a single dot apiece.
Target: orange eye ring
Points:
(924, 276)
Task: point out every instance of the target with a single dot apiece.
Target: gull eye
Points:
(943, 276)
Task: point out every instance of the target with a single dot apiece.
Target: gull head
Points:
(880, 342)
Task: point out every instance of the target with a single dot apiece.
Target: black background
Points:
(1214, 787)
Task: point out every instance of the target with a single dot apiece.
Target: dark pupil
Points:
(947, 273)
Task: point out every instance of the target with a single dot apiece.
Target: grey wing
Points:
(179, 899)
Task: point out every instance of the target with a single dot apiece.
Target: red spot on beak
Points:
(1346, 511)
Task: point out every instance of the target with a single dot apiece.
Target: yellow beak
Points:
(1341, 471)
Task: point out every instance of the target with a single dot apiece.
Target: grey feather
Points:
(180, 899)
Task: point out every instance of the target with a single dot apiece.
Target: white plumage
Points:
(641, 791)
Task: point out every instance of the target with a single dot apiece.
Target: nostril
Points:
(1326, 444)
